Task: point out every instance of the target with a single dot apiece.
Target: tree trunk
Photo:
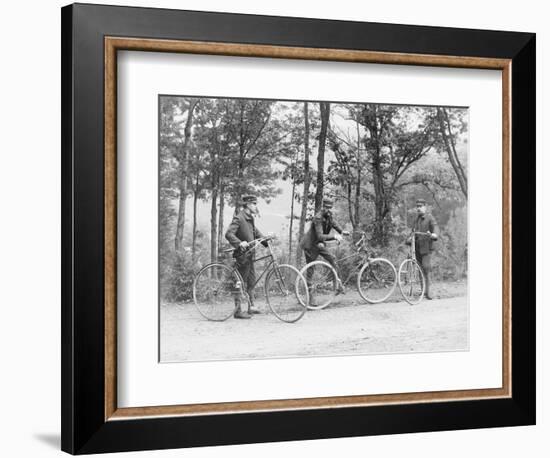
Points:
(350, 205)
(291, 225)
(195, 199)
(381, 204)
(238, 187)
(356, 221)
(448, 140)
(305, 196)
(220, 219)
(325, 113)
(357, 202)
(214, 226)
(184, 165)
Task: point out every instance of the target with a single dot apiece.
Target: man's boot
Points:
(238, 311)
(340, 288)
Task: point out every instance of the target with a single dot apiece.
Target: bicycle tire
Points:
(376, 280)
(322, 285)
(286, 292)
(411, 281)
(214, 289)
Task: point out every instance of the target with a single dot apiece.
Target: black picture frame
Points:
(84, 426)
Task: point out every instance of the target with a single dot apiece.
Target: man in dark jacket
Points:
(313, 242)
(241, 231)
(424, 244)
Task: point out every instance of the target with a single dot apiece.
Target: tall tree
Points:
(183, 158)
(292, 199)
(346, 171)
(211, 141)
(253, 139)
(196, 193)
(396, 138)
(450, 146)
(325, 115)
(240, 142)
(307, 179)
(213, 220)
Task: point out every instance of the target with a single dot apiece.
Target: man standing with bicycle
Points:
(424, 245)
(313, 242)
(240, 233)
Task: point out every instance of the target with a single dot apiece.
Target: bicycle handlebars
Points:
(251, 245)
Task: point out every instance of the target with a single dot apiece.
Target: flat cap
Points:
(249, 199)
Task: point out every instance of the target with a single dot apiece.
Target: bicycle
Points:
(376, 277)
(411, 277)
(217, 285)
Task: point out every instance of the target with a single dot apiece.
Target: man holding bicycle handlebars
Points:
(240, 233)
(424, 245)
(313, 242)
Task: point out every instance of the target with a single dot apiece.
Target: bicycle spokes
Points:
(322, 282)
(215, 291)
(376, 280)
(286, 293)
(411, 281)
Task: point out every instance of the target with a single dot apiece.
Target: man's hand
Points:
(338, 237)
(346, 233)
(432, 235)
(243, 245)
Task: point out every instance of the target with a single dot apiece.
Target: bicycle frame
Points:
(355, 268)
(360, 252)
(273, 263)
(412, 250)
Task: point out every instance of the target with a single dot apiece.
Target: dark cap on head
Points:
(421, 201)
(249, 199)
(328, 203)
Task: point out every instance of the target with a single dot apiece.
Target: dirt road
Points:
(346, 327)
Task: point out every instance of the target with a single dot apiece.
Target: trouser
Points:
(425, 261)
(313, 253)
(245, 266)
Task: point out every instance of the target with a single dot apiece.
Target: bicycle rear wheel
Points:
(376, 280)
(286, 293)
(411, 281)
(214, 290)
(322, 281)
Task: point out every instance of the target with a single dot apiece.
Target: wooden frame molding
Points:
(112, 45)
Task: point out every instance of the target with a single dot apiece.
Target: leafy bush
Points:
(177, 281)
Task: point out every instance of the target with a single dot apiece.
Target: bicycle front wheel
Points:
(376, 280)
(411, 281)
(322, 283)
(286, 293)
(214, 291)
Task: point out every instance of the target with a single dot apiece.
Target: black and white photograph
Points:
(304, 228)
